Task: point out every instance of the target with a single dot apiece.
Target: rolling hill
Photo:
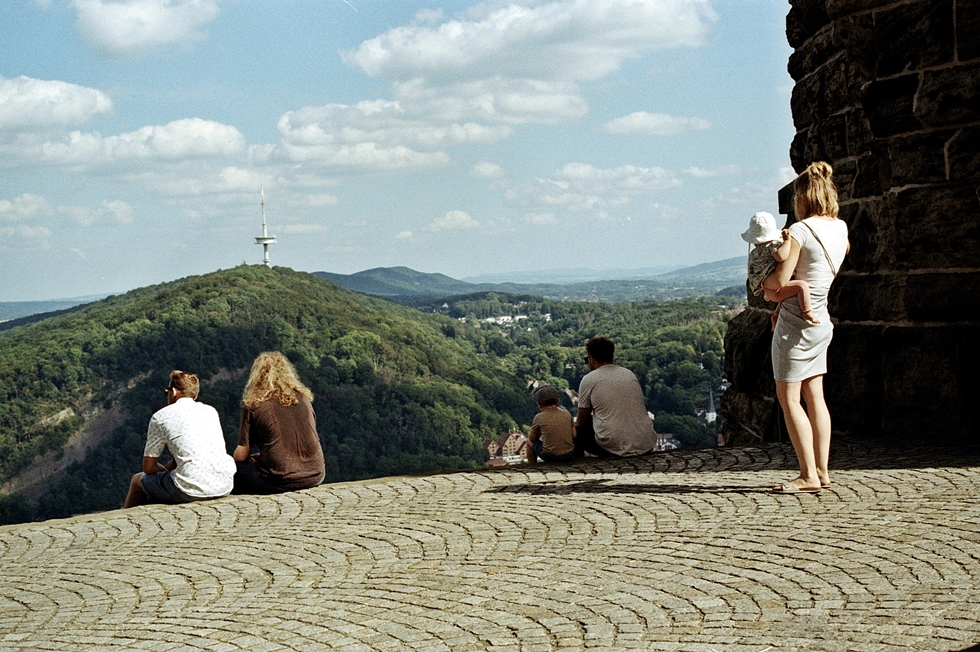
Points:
(700, 280)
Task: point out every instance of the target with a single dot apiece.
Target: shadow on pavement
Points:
(846, 454)
(602, 485)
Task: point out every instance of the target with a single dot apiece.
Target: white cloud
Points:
(126, 28)
(541, 219)
(180, 139)
(787, 175)
(401, 235)
(24, 207)
(375, 134)
(581, 188)
(453, 220)
(654, 124)
(496, 99)
(28, 104)
(23, 232)
(112, 212)
(487, 170)
(624, 177)
(512, 64)
(580, 40)
(721, 171)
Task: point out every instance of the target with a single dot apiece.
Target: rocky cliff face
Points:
(889, 94)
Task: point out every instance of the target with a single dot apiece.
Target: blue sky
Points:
(448, 136)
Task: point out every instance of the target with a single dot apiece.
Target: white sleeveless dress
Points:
(799, 348)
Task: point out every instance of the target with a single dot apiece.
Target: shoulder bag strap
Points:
(820, 242)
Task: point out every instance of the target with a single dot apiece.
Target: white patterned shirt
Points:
(191, 431)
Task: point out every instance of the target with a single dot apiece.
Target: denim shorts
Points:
(160, 488)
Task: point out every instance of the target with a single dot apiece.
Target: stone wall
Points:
(889, 94)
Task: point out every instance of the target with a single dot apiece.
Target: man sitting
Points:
(201, 467)
(612, 416)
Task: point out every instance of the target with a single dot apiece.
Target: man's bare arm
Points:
(151, 465)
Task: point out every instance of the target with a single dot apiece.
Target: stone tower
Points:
(888, 92)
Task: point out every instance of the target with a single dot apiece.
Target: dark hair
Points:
(187, 385)
(601, 349)
(547, 395)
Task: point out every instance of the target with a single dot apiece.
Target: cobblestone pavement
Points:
(684, 551)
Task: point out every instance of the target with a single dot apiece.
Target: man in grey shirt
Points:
(612, 415)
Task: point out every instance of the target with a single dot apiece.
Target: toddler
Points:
(552, 431)
(771, 248)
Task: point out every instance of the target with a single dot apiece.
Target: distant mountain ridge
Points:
(404, 282)
(11, 310)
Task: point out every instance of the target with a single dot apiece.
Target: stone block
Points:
(963, 154)
(787, 204)
(804, 19)
(919, 158)
(929, 377)
(853, 384)
(889, 105)
(749, 418)
(786, 197)
(811, 55)
(871, 174)
(748, 361)
(837, 9)
(859, 135)
(935, 227)
(868, 297)
(945, 296)
(950, 96)
(832, 133)
(862, 218)
(845, 172)
(829, 90)
(967, 28)
(913, 35)
(854, 34)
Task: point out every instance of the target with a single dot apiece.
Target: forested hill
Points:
(393, 392)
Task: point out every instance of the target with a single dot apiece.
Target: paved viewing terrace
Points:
(686, 550)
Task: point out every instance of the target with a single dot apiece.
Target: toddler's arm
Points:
(782, 253)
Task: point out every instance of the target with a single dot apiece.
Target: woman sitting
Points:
(278, 420)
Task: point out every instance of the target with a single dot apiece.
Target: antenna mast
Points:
(266, 239)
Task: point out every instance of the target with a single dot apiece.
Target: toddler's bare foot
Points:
(810, 317)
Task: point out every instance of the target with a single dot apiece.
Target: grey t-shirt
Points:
(619, 413)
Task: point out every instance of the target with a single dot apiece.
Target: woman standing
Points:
(799, 347)
(278, 419)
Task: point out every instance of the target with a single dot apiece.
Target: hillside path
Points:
(682, 551)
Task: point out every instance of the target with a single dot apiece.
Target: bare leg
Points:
(799, 289)
(800, 433)
(532, 458)
(816, 407)
(137, 495)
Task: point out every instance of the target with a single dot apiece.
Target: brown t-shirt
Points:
(290, 456)
(554, 427)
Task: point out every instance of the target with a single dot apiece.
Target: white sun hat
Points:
(762, 228)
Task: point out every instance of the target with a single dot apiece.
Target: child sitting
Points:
(552, 432)
(771, 248)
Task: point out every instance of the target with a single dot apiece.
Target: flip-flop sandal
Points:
(790, 488)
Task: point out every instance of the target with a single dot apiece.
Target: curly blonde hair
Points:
(273, 377)
(815, 192)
